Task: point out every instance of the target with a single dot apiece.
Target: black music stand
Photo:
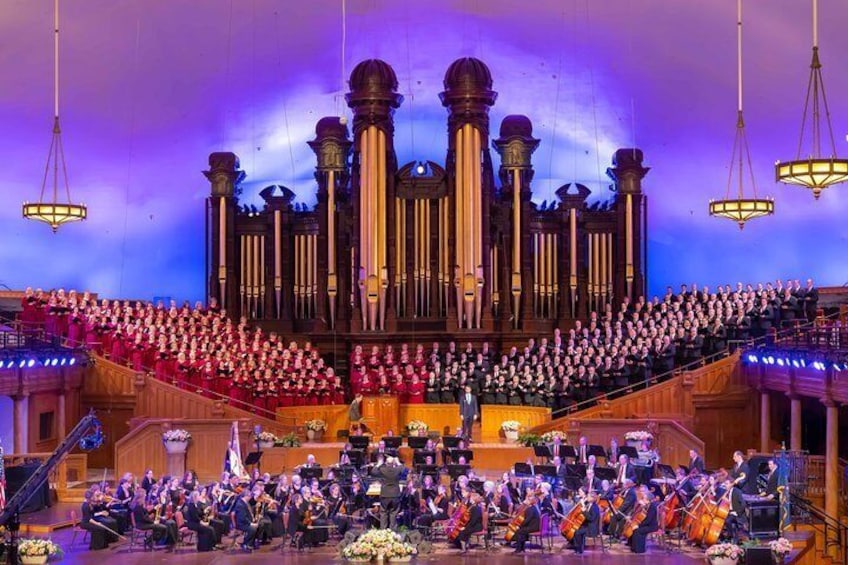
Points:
(451, 442)
(567, 451)
(425, 470)
(629, 451)
(546, 470)
(666, 471)
(605, 474)
(455, 454)
(309, 473)
(597, 451)
(420, 457)
(476, 486)
(359, 442)
(254, 458)
(542, 451)
(456, 470)
(524, 469)
(392, 442)
(417, 442)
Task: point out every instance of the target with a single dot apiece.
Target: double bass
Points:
(718, 516)
(458, 520)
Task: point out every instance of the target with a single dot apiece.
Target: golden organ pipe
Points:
(460, 203)
(364, 213)
(590, 269)
(609, 265)
(427, 249)
(381, 205)
(314, 264)
(572, 236)
(476, 218)
(603, 238)
(297, 274)
(242, 264)
(222, 238)
(628, 234)
(374, 204)
(536, 269)
(331, 223)
(597, 252)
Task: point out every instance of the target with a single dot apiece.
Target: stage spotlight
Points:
(22, 363)
(1, 363)
(803, 363)
(752, 358)
(54, 362)
(420, 169)
(837, 367)
(770, 360)
(780, 362)
(63, 361)
(795, 363)
(30, 363)
(72, 361)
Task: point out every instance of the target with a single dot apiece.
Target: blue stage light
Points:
(780, 362)
(837, 367)
(73, 360)
(63, 361)
(803, 363)
(31, 363)
(752, 358)
(795, 363)
(22, 363)
(54, 362)
(770, 360)
(1, 364)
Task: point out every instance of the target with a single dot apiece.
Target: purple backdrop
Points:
(150, 88)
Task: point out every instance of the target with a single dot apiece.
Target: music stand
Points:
(605, 474)
(546, 470)
(392, 442)
(431, 470)
(253, 458)
(523, 469)
(359, 442)
(417, 442)
(476, 486)
(542, 451)
(344, 473)
(567, 451)
(451, 442)
(597, 451)
(456, 470)
(629, 451)
(666, 471)
(420, 457)
(455, 454)
(309, 473)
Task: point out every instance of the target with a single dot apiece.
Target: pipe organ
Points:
(424, 246)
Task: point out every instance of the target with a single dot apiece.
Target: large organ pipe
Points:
(364, 222)
(555, 250)
(297, 276)
(308, 269)
(572, 259)
(278, 258)
(459, 240)
(417, 255)
(261, 276)
(549, 277)
(242, 272)
(516, 245)
(332, 277)
(536, 275)
(382, 263)
(603, 267)
(222, 250)
(596, 266)
(628, 242)
(609, 267)
(427, 245)
(590, 270)
(400, 240)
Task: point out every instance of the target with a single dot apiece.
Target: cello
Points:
(718, 517)
(636, 519)
(517, 520)
(573, 520)
(458, 520)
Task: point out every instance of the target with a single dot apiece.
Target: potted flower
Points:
(510, 428)
(315, 429)
(288, 440)
(358, 552)
(548, 437)
(417, 427)
(400, 552)
(176, 441)
(37, 551)
(636, 438)
(780, 548)
(724, 554)
(266, 440)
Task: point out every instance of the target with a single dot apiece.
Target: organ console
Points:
(456, 247)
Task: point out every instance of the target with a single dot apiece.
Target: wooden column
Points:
(765, 422)
(831, 470)
(21, 421)
(795, 440)
(61, 426)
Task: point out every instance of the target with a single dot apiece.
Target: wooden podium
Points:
(380, 414)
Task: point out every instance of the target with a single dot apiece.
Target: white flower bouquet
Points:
(548, 437)
(38, 548)
(372, 543)
(267, 437)
(399, 549)
(176, 435)
(358, 551)
(727, 550)
(639, 435)
(316, 425)
(780, 547)
(510, 426)
(416, 425)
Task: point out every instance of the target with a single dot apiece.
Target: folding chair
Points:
(77, 529)
(135, 532)
(544, 531)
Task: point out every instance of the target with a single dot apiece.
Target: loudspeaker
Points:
(764, 520)
(758, 556)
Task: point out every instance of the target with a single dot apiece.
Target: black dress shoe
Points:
(247, 548)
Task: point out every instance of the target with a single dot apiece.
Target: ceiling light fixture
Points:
(740, 209)
(816, 172)
(54, 212)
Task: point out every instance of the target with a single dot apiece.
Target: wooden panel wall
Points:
(142, 447)
(442, 418)
(381, 413)
(334, 415)
(492, 415)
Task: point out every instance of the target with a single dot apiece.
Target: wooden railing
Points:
(815, 480)
(142, 447)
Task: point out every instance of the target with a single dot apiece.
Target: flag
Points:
(2, 482)
(232, 457)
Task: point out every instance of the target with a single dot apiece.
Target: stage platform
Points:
(46, 521)
(656, 555)
(488, 457)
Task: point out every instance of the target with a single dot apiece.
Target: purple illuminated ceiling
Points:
(151, 87)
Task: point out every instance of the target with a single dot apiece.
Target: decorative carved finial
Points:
(224, 173)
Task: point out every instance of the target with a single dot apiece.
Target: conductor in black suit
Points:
(389, 476)
(467, 411)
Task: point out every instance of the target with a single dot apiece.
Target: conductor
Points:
(389, 475)
(468, 411)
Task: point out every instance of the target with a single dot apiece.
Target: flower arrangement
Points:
(416, 425)
(726, 550)
(267, 437)
(780, 547)
(288, 440)
(548, 437)
(510, 426)
(529, 439)
(176, 435)
(39, 548)
(639, 435)
(316, 425)
(372, 543)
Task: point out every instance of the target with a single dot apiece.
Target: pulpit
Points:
(380, 414)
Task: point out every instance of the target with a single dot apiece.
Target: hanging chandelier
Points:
(54, 212)
(816, 172)
(740, 209)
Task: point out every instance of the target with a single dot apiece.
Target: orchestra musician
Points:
(197, 520)
(740, 471)
(437, 509)
(737, 509)
(531, 523)
(620, 515)
(556, 448)
(93, 520)
(625, 470)
(591, 525)
(474, 524)
(591, 483)
(338, 510)
(245, 520)
(696, 461)
(648, 525)
(148, 481)
(264, 510)
(770, 492)
(583, 450)
(163, 529)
